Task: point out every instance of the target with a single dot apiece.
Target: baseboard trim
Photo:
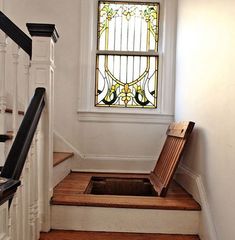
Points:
(193, 183)
(124, 164)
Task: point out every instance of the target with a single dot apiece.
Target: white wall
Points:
(91, 139)
(205, 90)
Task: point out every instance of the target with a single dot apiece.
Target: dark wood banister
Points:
(16, 34)
(11, 171)
(19, 150)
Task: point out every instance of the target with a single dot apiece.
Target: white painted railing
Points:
(29, 212)
(3, 44)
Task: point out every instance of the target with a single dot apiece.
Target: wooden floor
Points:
(75, 235)
(71, 192)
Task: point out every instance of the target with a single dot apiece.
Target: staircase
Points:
(74, 213)
(26, 80)
(109, 216)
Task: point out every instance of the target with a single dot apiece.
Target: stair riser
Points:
(124, 220)
(60, 171)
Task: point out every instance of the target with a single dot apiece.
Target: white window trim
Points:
(87, 55)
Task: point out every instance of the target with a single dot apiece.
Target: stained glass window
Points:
(127, 55)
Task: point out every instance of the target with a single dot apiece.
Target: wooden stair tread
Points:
(6, 137)
(9, 110)
(10, 134)
(125, 202)
(59, 157)
(75, 235)
(71, 192)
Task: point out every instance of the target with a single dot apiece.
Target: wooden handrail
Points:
(17, 156)
(7, 189)
(15, 33)
(12, 169)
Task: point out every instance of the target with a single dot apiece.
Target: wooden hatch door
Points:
(177, 136)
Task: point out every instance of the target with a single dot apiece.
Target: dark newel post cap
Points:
(43, 30)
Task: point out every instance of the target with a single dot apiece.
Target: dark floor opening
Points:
(120, 186)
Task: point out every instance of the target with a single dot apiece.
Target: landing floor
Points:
(71, 192)
(75, 235)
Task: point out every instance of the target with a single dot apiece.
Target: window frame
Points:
(87, 111)
(129, 53)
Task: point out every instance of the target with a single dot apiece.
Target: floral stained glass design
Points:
(127, 59)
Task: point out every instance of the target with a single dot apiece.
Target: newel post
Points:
(44, 37)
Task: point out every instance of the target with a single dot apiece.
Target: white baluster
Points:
(15, 56)
(41, 189)
(34, 200)
(12, 219)
(18, 220)
(22, 206)
(4, 233)
(10, 224)
(37, 215)
(32, 193)
(26, 79)
(27, 199)
(3, 44)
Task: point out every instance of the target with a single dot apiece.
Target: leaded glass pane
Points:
(126, 81)
(128, 26)
(124, 77)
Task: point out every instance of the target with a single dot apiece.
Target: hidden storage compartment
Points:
(120, 186)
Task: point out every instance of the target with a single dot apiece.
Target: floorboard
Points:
(76, 235)
(71, 192)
